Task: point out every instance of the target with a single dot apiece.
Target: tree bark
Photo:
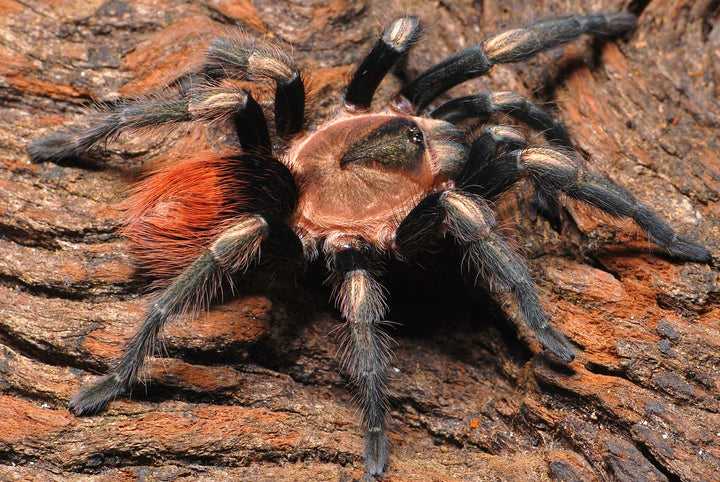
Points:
(253, 389)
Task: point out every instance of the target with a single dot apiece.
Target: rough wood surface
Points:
(252, 390)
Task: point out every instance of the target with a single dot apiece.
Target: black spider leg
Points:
(483, 105)
(214, 103)
(104, 122)
(551, 169)
(361, 301)
(468, 219)
(394, 43)
(208, 99)
(234, 251)
(241, 58)
(508, 46)
(206, 102)
(485, 148)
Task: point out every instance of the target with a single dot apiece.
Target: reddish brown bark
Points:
(252, 390)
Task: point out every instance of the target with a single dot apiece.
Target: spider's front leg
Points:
(508, 46)
(483, 105)
(361, 301)
(469, 220)
(236, 249)
(552, 171)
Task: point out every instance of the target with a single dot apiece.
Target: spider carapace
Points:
(362, 186)
(362, 175)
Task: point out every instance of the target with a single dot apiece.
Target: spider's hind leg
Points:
(201, 96)
(205, 102)
(236, 249)
(214, 103)
(238, 57)
(104, 122)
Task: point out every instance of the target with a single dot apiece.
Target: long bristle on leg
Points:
(239, 57)
(469, 220)
(105, 122)
(205, 102)
(198, 281)
(214, 103)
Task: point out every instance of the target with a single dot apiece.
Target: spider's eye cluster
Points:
(415, 135)
(397, 144)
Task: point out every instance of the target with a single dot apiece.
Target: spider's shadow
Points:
(434, 303)
(430, 303)
(552, 75)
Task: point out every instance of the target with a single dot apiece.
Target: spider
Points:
(363, 186)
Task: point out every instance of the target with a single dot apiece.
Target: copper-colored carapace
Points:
(367, 184)
(363, 174)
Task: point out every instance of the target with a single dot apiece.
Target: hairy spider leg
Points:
(512, 45)
(485, 147)
(239, 57)
(361, 300)
(468, 219)
(394, 43)
(202, 99)
(212, 103)
(483, 105)
(556, 171)
(106, 122)
(207, 102)
(234, 251)
(484, 150)
(182, 207)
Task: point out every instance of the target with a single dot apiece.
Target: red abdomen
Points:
(176, 212)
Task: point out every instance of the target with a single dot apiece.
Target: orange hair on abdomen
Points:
(175, 213)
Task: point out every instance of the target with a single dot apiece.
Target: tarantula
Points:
(363, 185)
